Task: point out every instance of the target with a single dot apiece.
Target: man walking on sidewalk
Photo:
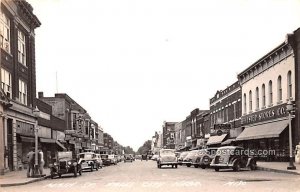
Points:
(30, 158)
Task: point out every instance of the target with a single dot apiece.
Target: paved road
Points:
(141, 176)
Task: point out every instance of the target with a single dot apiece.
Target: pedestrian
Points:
(297, 156)
(41, 161)
(30, 158)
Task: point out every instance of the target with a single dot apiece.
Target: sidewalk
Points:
(15, 178)
(278, 167)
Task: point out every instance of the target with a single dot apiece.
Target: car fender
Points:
(250, 160)
(234, 161)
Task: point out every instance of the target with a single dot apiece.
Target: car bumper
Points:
(168, 163)
(221, 166)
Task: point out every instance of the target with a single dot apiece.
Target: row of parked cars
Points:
(66, 164)
(227, 157)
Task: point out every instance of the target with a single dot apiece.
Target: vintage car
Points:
(233, 157)
(191, 157)
(98, 160)
(182, 155)
(87, 160)
(204, 157)
(105, 159)
(128, 157)
(167, 157)
(113, 159)
(65, 164)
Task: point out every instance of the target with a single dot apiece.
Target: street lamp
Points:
(36, 113)
(290, 108)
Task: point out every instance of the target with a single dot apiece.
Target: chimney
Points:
(41, 94)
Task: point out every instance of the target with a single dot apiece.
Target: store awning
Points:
(46, 140)
(268, 130)
(216, 139)
(228, 141)
(27, 139)
(61, 145)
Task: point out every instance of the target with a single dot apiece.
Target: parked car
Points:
(154, 157)
(105, 159)
(65, 164)
(88, 161)
(128, 157)
(99, 161)
(138, 157)
(113, 159)
(167, 157)
(191, 158)
(204, 157)
(182, 156)
(232, 157)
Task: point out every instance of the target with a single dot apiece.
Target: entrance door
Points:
(10, 144)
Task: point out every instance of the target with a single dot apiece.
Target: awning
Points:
(216, 139)
(268, 130)
(46, 140)
(228, 141)
(61, 145)
(27, 139)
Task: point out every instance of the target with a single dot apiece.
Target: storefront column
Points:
(15, 152)
(5, 143)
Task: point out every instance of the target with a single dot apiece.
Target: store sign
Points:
(69, 132)
(25, 128)
(267, 114)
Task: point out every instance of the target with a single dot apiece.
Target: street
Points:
(145, 176)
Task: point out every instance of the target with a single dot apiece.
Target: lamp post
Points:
(36, 113)
(290, 108)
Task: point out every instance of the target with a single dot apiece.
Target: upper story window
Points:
(22, 92)
(245, 103)
(250, 100)
(6, 82)
(279, 87)
(21, 48)
(257, 98)
(290, 85)
(4, 32)
(263, 95)
(270, 93)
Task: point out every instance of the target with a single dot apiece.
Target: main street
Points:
(145, 176)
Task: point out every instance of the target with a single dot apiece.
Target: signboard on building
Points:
(70, 132)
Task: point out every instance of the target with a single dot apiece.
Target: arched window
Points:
(263, 95)
(257, 98)
(250, 100)
(270, 93)
(279, 89)
(290, 85)
(245, 103)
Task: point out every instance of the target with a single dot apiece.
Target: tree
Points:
(145, 148)
(128, 150)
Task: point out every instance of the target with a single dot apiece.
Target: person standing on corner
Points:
(297, 156)
(41, 162)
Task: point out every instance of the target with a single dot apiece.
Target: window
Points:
(22, 92)
(263, 95)
(245, 103)
(4, 32)
(21, 48)
(257, 98)
(289, 80)
(270, 93)
(6, 82)
(279, 87)
(250, 100)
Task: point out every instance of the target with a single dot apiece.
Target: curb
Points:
(277, 170)
(24, 183)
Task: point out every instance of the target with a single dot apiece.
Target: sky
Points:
(133, 64)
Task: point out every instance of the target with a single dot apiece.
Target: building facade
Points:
(169, 135)
(18, 80)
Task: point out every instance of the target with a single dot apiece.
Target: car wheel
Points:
(176, 166)
(188, 165)
(75, 171)
(252, 166)
(59, 175)
(217, 169)
(92, 166)
(196, 166)
(203, 167)
(80, 172)
(97, 167)
(236, 167)
(51, 174)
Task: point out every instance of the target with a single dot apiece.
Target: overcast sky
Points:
(133, 64)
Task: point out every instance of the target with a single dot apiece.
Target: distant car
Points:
(204, 157)
(65, 164)
(232, 157)
(182, 155)
(191, 157)
(105, 159)
(113, 159)
(88, 161)
(128, 157)
(138, 157)
(154, 157)
(167, 157)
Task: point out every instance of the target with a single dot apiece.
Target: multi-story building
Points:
(18, 81)
(267, 86)
(225, 115)
(99, 139)
(179, 137)
(108, 144)
(169, 135)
